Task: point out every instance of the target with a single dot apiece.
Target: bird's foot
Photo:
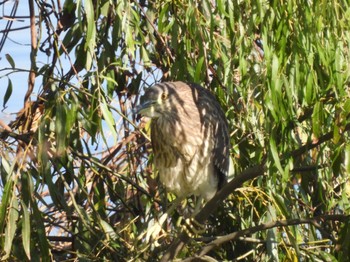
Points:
(193, 228)
(155, 230)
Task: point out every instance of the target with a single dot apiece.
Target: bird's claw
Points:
(193, 228)
(155, 230)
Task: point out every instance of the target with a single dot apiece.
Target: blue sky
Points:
(17, 46)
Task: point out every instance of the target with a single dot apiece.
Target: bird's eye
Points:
(164, 96)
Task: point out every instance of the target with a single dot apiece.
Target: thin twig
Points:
(156, 31)
(34, 47)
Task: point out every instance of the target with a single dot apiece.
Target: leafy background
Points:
(77, 181)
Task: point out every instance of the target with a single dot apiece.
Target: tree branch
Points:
(281, 223)
(311, 145)
(34, 47)
(211, 206)
(248, 174)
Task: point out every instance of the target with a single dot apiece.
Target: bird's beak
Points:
(139, 109)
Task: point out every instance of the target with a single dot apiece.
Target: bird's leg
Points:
(198, 206)
(191, 226)
(155, 226)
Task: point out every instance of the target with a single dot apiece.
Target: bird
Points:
(189, 136)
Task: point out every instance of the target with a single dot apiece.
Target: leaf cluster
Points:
(77, 180)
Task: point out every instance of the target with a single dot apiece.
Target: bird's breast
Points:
(182, 157)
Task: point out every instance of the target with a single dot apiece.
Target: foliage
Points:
(77, 179)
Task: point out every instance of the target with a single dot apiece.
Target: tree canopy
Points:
(77, 177)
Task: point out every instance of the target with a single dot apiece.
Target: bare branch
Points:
(32, 74)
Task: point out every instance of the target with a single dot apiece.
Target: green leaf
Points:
(11, 225)
(317, 119)
(27, 189)
(107, 114)
(10, 60)
(41, 234)
(26, 229)
(111, 83)
(105, 8)
(162, 18)
(144, 56)
(221, 6)
(90, 32)
(199, 70)
(7, 191)
(8, 92)
(275, 155)
(71, 39)
(60, 128)
(347, 158)
(71, 115)
(90, 42)
(271, 239)
(109, 231)
(280, 201)
(328, 257)
(309, 95)
(130, 43)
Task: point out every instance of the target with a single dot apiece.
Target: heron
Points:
(189, 136)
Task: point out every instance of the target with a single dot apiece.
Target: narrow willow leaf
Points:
(7, 192)
(71, 116)
(11, 225)
(275, 155)
(221, 6)
(107, 114)
(108, 229)
(162, 19)
(94, 119)
(90, 41)
(347, 159)
(105, 8)
(5, 203)
(274, 68)
(10, 60)
(111, 83)
(130, 43)
(336, 134)
(27, 189)
(199, 70)
(281, 205)
(90, 32)
(271, 236)
(8, 92)
(41, 234)
(71, 39)
(309, 89)
(89, 57)
(325, 256)
(60, 128)
(317, 122)
(144, 56)
(56, 196)
(26, 229)
(294, 238)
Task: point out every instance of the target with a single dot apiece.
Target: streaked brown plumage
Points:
(190, 138)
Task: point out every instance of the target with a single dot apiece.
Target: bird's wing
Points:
(222, 151)
(211, 114)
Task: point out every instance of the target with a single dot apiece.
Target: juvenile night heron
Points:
(190, 138)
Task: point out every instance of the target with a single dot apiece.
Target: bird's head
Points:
(157, 101)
